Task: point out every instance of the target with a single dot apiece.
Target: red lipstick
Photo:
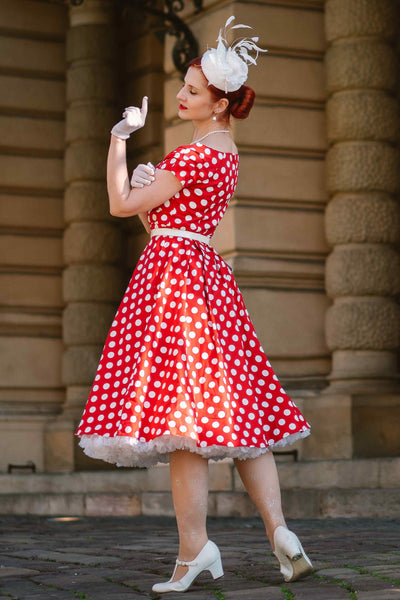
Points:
(182, 107)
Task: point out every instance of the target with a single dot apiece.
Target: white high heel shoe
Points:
(208, 559)
(294, 562)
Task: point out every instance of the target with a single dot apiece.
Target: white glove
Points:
(143, 175)
(134, 118)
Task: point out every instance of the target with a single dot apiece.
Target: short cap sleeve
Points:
(182, 163)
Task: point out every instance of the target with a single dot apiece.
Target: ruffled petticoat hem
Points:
(125, 451)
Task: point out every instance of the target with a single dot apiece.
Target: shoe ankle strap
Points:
(186, 563)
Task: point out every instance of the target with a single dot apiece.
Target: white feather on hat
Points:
(225, 67)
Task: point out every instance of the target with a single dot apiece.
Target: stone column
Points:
(92, 281)
(362, 220)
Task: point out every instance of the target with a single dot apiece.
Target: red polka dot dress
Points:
(182, 366)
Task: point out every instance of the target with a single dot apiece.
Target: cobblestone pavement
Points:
(120, 558)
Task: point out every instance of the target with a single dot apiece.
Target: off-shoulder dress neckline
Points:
(215, 149)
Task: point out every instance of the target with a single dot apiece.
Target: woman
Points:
(182, 376)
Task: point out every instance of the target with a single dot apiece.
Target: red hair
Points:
(240, 101)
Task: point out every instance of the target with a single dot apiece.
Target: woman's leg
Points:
(260, 478)
(189, 484)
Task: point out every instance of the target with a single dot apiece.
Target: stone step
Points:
(310, 489)
(297, 504)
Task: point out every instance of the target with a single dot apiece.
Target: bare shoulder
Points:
(222, 142)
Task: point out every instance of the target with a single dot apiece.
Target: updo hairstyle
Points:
(240, 101)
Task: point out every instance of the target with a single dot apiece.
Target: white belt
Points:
(180, 232)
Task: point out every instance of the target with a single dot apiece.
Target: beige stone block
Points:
(143, 53)
(172, 85)
(79, 364)
(24, 93)
(366, 217)
(32, 134)
(92, 12)
(112, 505)
(360, 63)
(363, 323)
(363, 166)
(156, 479)
(86, 323)
(157, 503)
(311, 371)
(220, 475)
(228, 504)
(273, 270)
(291, 27)
(102, 283)
(336, 503)
(97, 242)
(91, 42)
(301, 504)
(364, 365)
(177, 135)
(30, 362)
(144, 84)
(18, 289)
(86, 160)
(31, 211)
(281, 178)
(20, 446)
(325, 474)
(30, 250)
(31, 401)
(91, 81)
(76, 398)
(354, 18)
(90, 122)
(283, 127)
(376, 425)
(32, 55)
(362, 115)
(42, 504)
(363, 269)
(86, 201)
(26, 16)
(289, 77)
(294, 325)
(59, 447)
(31, 173)
(389, 473)
(29, 323)
(330, 420)
(265, 229)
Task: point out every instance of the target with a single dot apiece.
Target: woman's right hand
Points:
(143, 175)
(134, 118)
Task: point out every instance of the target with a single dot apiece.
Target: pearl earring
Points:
(214, 118)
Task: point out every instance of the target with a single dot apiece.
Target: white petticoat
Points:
(125, 451)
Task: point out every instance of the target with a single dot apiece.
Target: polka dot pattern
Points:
(182, 365)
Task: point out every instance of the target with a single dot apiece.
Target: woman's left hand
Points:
(143, 175)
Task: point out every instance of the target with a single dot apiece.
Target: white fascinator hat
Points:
(226, 66)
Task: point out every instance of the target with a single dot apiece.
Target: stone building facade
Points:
(312, 233)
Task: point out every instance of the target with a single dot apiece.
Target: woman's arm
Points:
(126, 202)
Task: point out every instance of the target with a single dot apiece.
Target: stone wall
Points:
(32, 132)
